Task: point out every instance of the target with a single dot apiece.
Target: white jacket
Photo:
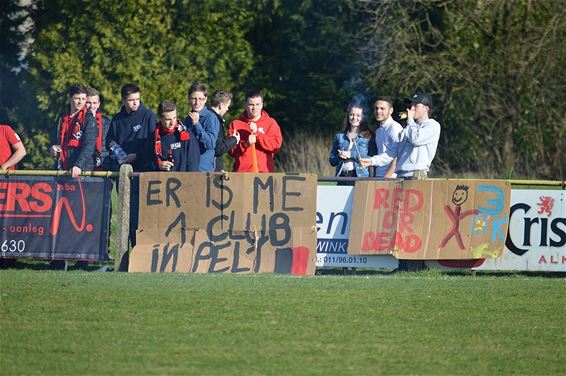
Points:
(417, 148)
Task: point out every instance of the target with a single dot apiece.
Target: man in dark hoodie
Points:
(131, 128)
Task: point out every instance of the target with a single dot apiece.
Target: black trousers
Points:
(347, 174)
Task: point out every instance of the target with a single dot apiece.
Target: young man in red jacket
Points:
(260, 137)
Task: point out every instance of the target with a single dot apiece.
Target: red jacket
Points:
(269, 140)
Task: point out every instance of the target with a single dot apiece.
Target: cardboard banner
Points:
(226, 223)
(54, 217)
(430, 219)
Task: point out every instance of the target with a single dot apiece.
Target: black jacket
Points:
(223, 144)
(84, 155)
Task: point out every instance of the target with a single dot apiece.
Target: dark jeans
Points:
(347, 174)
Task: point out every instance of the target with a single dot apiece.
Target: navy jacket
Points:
(185, 154)
(133, 132)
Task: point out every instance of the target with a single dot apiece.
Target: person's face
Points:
(169, 119)
(93, 103)
(382, 111)
(77, 102)
(253, 107)
(132, 102)
(355, 116)
(420, 111)
(224, 107)
(197, 100)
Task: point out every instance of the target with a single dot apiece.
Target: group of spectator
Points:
(395, 151)
(87, 140)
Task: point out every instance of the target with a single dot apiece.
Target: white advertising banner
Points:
(536, 240)
(537, 233)
(333, 218)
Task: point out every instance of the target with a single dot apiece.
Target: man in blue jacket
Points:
(205, 125)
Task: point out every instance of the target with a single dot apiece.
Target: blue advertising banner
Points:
(54, 217)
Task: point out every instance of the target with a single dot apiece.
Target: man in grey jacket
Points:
(418, 141)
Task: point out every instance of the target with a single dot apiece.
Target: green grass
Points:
(406, 323)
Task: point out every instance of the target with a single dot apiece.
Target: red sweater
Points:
(7, 138)
(269, 140)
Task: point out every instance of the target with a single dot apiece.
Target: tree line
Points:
(494, 67)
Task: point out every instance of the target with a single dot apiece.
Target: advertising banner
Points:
(536, 240)
(226, 223)
(430, 219)
(333, 218)
(54, 217)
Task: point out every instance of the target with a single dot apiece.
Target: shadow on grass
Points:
(436, 272)
(33, 264)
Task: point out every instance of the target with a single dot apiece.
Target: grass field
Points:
(406, 323)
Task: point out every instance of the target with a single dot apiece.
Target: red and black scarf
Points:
(161, 130)
(71, 133)
(71, 129)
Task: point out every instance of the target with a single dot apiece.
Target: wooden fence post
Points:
(123, 217)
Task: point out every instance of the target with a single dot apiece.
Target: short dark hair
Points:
(384, 98)
(128, 89)
(220, 96)
(76, 89)
(166, 106)
(253, 93)
(92, 92)
(197, 86)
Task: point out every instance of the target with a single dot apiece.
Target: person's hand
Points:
(75, 172)
(365, 162)
(344, 154)
(194, 117)
(130, 158)
(410, 113)
(165, 165)
(55, 150)
(253, 127)
(237, 135)
(251, 139)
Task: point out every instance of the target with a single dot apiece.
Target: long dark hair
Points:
(363, 130)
